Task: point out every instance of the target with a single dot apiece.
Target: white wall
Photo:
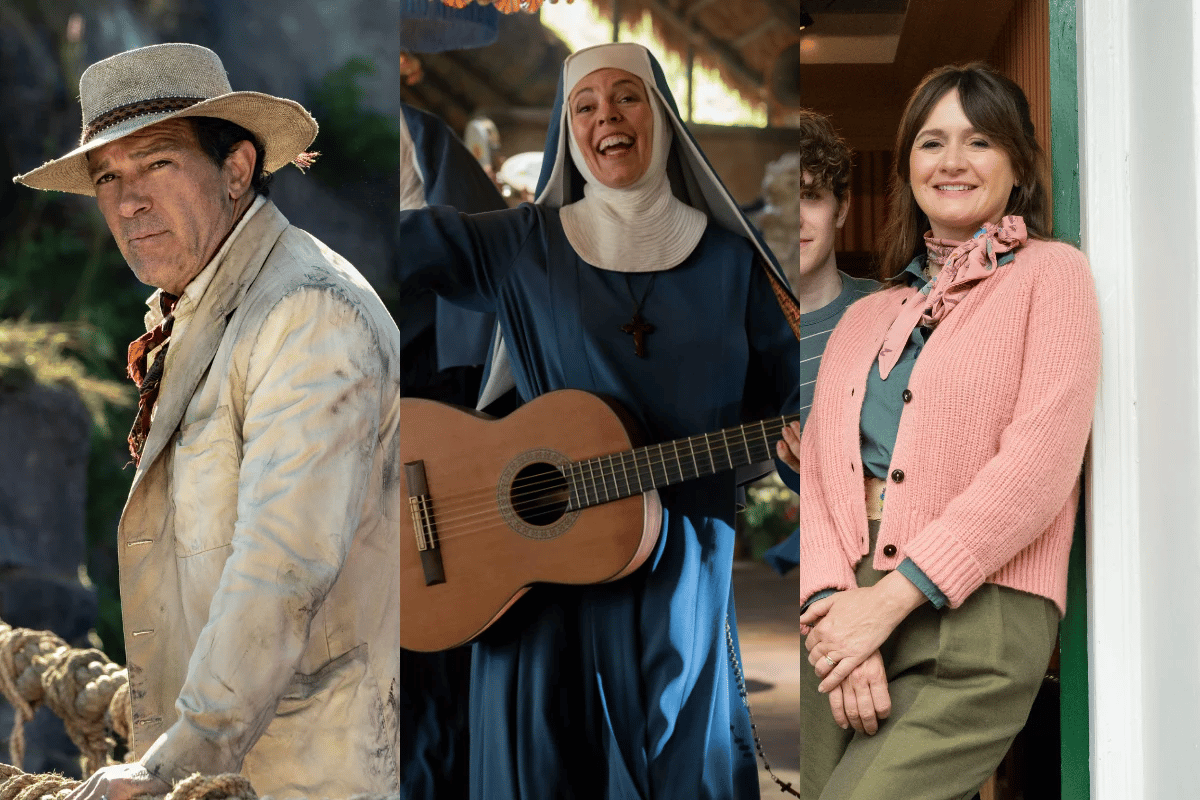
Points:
(1140, 183)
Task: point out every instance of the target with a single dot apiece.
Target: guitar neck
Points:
(619, 475)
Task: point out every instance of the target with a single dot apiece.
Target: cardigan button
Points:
(906, 396)
(889, 550)
(897, 476)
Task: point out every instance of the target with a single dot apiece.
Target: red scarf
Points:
(148, 379)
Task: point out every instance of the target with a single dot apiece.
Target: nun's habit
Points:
(621, 690)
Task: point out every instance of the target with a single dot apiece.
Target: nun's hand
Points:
(788, 448)
(862, 701)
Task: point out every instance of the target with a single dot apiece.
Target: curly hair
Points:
(824, 155)
(996, 107)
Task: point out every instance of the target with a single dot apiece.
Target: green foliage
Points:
(38, 352)
(769, 517)
(356, 143)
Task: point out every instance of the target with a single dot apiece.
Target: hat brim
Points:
(283, 127)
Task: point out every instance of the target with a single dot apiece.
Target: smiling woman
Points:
(963, 394)
(959, 177)
(622, 689)
(613, 126)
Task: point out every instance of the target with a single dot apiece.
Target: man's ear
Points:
(238, 168)
(843, 210)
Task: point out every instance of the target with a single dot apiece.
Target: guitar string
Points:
(448, 523)
(619, 465)
(484, 497)
(597, 476)
(533, 500)
(450, 526)
(777, 424)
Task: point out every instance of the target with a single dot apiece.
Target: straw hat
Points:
(132, 90)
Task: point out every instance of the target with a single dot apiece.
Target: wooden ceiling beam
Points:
(481, 77)
(755, 32)
(729, 57)
(434, 83)
(698, 6)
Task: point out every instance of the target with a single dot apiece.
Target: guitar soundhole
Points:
(540, 494)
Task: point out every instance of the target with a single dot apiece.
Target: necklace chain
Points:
(742, 692)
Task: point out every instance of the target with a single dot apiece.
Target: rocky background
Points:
(62, 479)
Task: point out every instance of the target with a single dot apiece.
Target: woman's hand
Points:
(788, 448)
(862, 701)
(846, 627)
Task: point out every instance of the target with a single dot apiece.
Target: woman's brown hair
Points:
(998, 109)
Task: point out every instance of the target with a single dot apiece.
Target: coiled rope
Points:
(91, 695)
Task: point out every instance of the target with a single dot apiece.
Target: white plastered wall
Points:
(1139, 117)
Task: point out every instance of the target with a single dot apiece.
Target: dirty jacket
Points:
(258, 546)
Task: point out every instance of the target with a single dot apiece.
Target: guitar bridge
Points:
(420, 506)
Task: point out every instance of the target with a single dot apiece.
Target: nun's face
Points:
(613, 125)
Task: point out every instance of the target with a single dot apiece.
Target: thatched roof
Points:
(742, 39)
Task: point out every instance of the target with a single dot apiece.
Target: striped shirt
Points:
(815, 328)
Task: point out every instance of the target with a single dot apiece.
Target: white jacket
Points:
(259, 544)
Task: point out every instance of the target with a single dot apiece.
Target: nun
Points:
(636, 276)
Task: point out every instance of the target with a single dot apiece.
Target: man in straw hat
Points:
(258, 546)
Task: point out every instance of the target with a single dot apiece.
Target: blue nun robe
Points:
(621, 691)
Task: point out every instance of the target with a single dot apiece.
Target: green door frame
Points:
(1073, 633)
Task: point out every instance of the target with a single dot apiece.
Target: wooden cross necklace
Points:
(638, 327)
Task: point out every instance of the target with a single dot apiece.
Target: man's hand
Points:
(788, 448)
(120, 782)
(848, 626)
(862, 700)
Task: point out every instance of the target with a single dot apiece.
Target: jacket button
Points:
(897, 476)
(889, 550)
(906, 396)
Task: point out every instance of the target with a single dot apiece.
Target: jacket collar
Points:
(192, 354)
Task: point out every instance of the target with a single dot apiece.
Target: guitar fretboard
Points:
(618, 475)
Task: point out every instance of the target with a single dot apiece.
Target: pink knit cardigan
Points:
(990, 443)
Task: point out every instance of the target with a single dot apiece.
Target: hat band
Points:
(157, 105)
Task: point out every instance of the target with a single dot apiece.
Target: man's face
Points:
(167, 205)
(821, 216)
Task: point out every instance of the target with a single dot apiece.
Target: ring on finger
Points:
(830, 661)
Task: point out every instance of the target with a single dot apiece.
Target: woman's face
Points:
(959, 177)
(613, 125)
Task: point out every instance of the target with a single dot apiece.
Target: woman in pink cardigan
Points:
(957, 401)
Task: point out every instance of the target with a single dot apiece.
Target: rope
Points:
(38, 668)
(16, 785)
(91, 696)
(20, 682)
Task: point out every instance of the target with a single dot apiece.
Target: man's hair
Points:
(824, 155)
(217, 138)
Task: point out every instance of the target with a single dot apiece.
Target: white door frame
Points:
(1139, 100)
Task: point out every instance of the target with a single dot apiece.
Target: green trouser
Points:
(962, 682)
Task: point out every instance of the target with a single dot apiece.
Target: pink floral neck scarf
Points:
(968, 264)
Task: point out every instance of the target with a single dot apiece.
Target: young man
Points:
(259, 542)
(824, 292)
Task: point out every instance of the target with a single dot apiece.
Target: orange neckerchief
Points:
(148, 379)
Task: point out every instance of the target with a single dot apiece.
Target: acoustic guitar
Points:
(575, 502)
